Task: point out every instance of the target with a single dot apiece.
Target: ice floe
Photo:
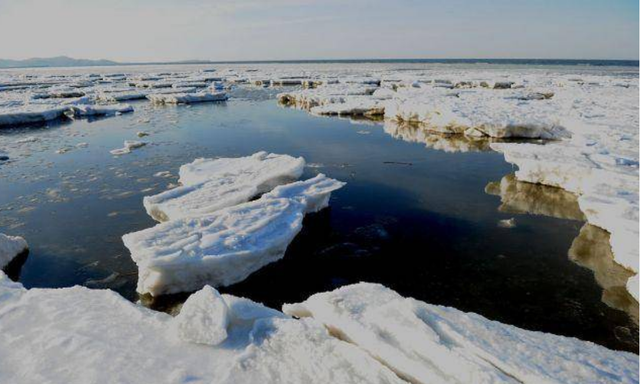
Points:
(186, 98)
(83, 110)
(212, 184)
(226, 246)
(425, 343)
(31, 113)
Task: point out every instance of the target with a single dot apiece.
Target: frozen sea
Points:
(420, 220)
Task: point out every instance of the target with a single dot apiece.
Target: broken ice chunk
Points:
(211, 184)
(10, 247)
(313, 193)
(224, 247)
(203, 318)
(129, 145)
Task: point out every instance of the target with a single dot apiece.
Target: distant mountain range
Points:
(65, 61)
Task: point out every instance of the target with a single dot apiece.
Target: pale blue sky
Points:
(154, 30)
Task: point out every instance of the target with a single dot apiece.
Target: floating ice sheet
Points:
(226, 246)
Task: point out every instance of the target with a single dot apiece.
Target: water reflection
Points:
(590, 249)
(518, 197)
(413, 133)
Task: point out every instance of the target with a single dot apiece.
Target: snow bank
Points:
(186, 98)
(226, 246)
(425, 343)
(10, 247)
(211, 184)
(78, 335)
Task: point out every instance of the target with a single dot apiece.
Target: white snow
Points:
(425, 343)
(186, 98)
(129, 145)
(10, 247)
(211, 184)
(226, 246)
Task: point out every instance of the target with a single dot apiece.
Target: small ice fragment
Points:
(129, 145)
(203, 318)
(509, 223)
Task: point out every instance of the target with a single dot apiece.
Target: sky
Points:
(164, 30)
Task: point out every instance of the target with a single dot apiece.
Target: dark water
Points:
(421, 221)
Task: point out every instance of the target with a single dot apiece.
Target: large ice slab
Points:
(425, 343)
(83, 110)
(478, 113)
(227, 245)
(31, 113)
(211, 184)
(10, 247)
(186, 98)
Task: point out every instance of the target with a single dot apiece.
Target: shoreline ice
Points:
(363, 333)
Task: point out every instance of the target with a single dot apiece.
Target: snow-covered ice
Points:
(78, 335)
(425, 343)
(226, 246)
(211, 184)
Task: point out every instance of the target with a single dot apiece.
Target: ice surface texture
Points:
(211, 184)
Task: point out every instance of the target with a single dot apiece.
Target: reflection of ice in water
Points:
(590, 249)
(443, 142)
(525, 198)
